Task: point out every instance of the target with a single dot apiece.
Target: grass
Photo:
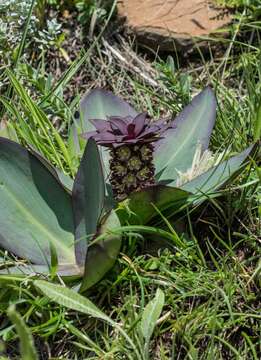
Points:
(211, 285)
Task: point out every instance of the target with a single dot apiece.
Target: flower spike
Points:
(130, 139)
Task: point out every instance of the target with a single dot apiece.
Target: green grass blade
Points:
(27, 348)
(22, 43)
(40, 122)
(257, 129)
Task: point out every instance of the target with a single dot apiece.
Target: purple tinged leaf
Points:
(131, 131)
(89, 134)
(149, 131)
(139, 122)
(118, 124)
(100, 125)
(104, 137)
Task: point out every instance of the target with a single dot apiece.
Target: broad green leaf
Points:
(88, 199)
(34, 209)
(27, 349)
(69, 298)
(99, 104)
(65, 180)
(151, 314)
(176, 149)
(101, 255)
(139, 208)
(214, 178)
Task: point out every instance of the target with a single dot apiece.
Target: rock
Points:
(170, 24)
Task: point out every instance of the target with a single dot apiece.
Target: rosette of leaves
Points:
(49, 229)
(180, 167)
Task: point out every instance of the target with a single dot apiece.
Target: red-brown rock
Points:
(161, 23)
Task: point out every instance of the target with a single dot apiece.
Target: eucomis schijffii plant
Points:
(131, 169)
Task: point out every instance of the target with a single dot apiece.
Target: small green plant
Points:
(90, 9)
(21, 25)
(13, 16)
(49, 36)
